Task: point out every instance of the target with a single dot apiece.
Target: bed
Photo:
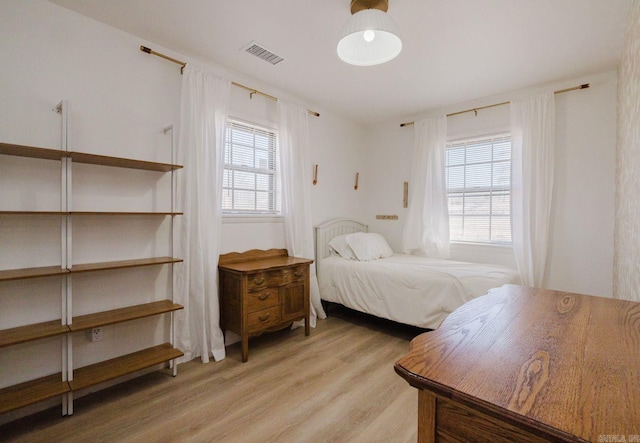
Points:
(417, 291)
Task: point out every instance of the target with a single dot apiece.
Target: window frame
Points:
(491, 191)
(275, 189)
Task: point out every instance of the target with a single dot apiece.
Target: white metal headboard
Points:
(331, 228)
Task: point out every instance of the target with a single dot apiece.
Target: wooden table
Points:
(524, 364)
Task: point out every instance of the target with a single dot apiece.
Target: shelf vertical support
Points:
(174, 186)
(63, 109)
(65, 254)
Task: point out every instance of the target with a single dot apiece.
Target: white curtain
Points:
(293, 136)
(203, 110)
(426, 229)
(532, 158)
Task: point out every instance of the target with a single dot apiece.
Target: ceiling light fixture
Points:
(370, 37)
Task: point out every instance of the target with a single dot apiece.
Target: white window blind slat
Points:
(478, 177)
(250, 181)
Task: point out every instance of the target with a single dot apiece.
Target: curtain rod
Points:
(584, 86)
(252, 90)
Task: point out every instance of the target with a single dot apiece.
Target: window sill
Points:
(245, 218)
(470, 244)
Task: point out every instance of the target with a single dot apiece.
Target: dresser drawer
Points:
(257, 281)
(279, 277)
(264, 319)
(294, 274)
(466, 424)
(266, 279)
(265, 298)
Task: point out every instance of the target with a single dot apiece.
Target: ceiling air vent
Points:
(264, 54)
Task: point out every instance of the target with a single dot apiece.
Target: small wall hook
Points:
(357, 176)
(405, 195)
(315, 175)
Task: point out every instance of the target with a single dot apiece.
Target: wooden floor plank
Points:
(337, 385)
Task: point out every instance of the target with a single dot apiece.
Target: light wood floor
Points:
(338, 385)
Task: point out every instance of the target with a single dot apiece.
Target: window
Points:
(251, 184)
(478, 175)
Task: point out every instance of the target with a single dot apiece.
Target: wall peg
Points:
(357, 176)
(315, 175)
(405, 195)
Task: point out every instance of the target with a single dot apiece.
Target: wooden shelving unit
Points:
(33, 391)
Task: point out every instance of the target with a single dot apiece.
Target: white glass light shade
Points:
(385, 45)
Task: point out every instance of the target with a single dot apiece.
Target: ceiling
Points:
(453, 50)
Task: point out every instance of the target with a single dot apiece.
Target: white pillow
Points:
(369, 246)
(340, 246)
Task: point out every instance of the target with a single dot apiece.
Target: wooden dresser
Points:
(529, 365)
(262, 291)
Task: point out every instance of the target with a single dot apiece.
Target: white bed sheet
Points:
(408, 289)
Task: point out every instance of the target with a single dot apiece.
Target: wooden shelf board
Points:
(121, 213)
(31, 151)
(32, 213)
(127, 364)
(121, 264)
(30, 392)
(27, 333)
(103, 160)
(98, 319)
(163, 213)
(82, 157)
(19, 274)
(49, 271)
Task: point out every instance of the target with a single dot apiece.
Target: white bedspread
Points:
(408, 289)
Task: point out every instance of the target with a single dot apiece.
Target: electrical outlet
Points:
(94, 334)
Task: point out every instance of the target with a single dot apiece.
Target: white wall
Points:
(582, 216)
(336, 147)
(121, 99)
(581, 253)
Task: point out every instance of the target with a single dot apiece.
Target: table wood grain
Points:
(559, 365)
(259, 260)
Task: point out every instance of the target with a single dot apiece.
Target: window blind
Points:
(478, 178)
(250, 182)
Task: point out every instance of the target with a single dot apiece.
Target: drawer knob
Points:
(264, 317)
(298, 273)
(258, 281)
(264, 296)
